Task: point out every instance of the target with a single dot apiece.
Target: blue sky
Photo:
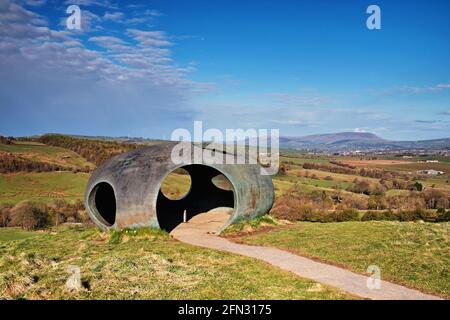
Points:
(145, 68)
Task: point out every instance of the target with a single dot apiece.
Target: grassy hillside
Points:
(149, 265)
(43, 153)
(410, 253)
(45, 187)
(95, 151)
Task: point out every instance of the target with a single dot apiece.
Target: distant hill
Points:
(341, 141)
(345, 141)
(341, 137)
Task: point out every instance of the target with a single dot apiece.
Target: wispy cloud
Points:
(408, 89)
(50, 76)
(91, 3)
(426, 121)
(35, 3)
(300, 99)
(113, 16)
(150, 38)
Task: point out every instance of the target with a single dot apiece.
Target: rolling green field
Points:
(40, 152)
(410, 253)
(149, 265)
(44, 187)
(301, 159)
(11, 234)
(318, 183)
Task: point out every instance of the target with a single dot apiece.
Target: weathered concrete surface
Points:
(135, 179)
(202, 231)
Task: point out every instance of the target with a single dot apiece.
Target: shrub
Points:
(418, 186)
(379, 215)
(294, 206)
(413, 215)
(443, 217)
(30, 216)
(63, 211)
(377, 202)
(345, 215)
(350, 201)
(371, 215)
(5, 215)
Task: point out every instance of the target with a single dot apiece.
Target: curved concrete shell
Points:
(125, 191)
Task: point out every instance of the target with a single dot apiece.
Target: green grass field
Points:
(410, 253)
(11, 234)
(299, 160)
(44, 187)
(319, 183)
(148, 266)
(40, 152)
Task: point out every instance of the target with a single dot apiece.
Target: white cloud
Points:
(113, 16)
(407, 89)
(300, 100)
(150, 38)
(52, 82)
(35, 3)
(91, 3)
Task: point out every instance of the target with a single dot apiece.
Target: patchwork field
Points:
(365, 163)
(326, 180)
(410, 253)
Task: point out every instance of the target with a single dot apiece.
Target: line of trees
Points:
(10, 163)
(337, 167)
(431, 205)
(6, 140)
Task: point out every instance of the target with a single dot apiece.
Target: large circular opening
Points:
(177, 184)
(209, 189)
(102, 202)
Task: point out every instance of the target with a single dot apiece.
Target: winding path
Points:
(202, 231)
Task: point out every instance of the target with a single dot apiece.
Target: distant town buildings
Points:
(429, 161)
(430, 172)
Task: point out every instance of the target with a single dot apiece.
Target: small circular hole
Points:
(222, 182)
(102, 202)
